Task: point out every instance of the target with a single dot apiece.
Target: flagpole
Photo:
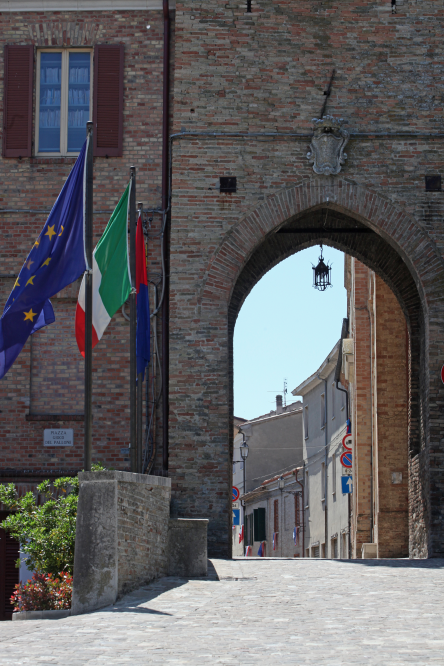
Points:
(139, 393)
(88, 297)
(133, 324)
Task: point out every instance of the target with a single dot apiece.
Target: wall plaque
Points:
(58, 437)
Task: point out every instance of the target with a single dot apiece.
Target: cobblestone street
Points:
(255, 611)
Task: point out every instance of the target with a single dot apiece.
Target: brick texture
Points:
(265, 71)
(47, 378)
(143, 513)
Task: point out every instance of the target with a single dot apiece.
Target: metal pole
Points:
(133, 323)
(88, 297)
(244, 505)
(139, 392)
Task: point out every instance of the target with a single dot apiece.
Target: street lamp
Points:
(281, 483)
(321, 274)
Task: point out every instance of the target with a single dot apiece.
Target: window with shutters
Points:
(18, 89)
(63, 100)
(259, 524)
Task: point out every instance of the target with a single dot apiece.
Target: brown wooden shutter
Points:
(17, 115)
(108, 100)
(276, 515)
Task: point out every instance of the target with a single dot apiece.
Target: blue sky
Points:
(285, 329)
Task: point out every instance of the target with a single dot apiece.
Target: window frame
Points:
(323, 414)
(64, 90)
(333, 472)
(306, 435)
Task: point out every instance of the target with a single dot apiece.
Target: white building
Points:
(326, 510)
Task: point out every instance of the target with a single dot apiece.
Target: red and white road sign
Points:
(347, 442)
(346, 459)
(442, 374)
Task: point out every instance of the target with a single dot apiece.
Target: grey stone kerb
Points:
(121, 535)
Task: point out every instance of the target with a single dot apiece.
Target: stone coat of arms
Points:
(327, 145)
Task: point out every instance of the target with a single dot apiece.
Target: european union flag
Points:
(56, 259)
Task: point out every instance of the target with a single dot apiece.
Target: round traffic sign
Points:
(347, 441)
(346, 459)
(235, 494)
(442, 374)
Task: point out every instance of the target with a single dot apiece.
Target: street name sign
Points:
(347, 484)
(58, 437)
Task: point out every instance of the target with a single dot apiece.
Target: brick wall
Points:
(47, 379)
(391, 456)
(121, 536)
(143, 512)
(266, 71)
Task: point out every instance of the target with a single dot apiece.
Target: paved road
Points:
(255, 611)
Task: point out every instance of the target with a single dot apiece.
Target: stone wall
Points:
(121, 536)
(143, 509)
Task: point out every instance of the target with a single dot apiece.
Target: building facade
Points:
(326, 506)
(274, 525)
(248, 80)
(62, 68)
(375, 358)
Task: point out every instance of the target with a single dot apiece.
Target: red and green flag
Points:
(111, 275)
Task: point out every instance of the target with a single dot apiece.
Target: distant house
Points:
(275, 447)
(274, 516)
(326, 510)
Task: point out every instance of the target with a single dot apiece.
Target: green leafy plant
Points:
(43, 592)
(46, 532)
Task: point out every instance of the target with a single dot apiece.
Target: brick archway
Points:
(201, 389)
(393, 224)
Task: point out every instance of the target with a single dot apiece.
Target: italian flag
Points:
(111, 275)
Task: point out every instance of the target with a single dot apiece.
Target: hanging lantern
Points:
(321, 274)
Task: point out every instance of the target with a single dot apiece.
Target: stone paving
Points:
(255, 611)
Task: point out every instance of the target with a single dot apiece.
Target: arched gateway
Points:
(368, 227)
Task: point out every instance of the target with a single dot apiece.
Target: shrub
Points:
(47, 533)
(43, 592)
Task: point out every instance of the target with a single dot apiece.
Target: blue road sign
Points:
(347, 484)
(235, 494)
(236, 516)
(346, 459)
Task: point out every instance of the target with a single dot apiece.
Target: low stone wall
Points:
(121, 536)
(187, 547)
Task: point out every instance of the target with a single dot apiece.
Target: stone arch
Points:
(400, 251)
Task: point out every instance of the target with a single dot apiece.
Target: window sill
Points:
(55, 417)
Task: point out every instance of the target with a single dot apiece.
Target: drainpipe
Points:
(166, 244)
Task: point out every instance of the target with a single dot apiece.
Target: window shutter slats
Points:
(108, 100)
(17, 115)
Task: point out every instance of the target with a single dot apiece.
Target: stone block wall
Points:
(143, 509)
(121, 536)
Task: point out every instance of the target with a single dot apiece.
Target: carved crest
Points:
(327, 145)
